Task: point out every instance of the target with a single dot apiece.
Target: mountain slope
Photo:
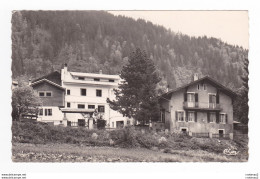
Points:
(92, 40)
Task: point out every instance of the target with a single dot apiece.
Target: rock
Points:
(94, 136)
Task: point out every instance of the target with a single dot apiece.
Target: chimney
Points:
(196, 76)
(100, 71)
(65, 68)
(30, 82)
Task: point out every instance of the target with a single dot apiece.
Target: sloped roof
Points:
(224, 89)
(54, 77)
(48, 81)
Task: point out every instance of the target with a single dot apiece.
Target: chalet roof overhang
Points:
(213, 82)
(47, 81)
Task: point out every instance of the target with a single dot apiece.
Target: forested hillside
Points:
(42, 41)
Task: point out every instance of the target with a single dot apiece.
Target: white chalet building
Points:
(85, 93)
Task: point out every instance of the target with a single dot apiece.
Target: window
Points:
(212, 100)
(112, 124)
(81, 106)
(91, 106)
(191, 116)
(96, 79)
(162, 118)
(110, 80)
(68, 92)
(212, 117)
(223, 118)
(83, 92)
(45, 93)
(68, 105)
(204, 87)
(191, 97)
(101, 108)
(41, 94)
(180, 116)
(48, 94)
(48, 112)
(81, 78)
(40, 112)
(99, 93)
(198, 86)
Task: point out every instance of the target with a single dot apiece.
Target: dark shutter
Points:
(196, 97)
(217, 98)
(46, 112)
(217, 117)
(195, 116)
(186, 116)
(185, 97)
(208, 116)
(226, 118)
(176, 115)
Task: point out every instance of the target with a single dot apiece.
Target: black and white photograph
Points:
(111, 86)
(103, 91)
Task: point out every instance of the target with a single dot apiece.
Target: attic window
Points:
(81, 78)
(48, 94)
(110, 80)
(96, 79)
(41, 94)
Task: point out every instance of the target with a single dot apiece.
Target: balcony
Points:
(201, 106)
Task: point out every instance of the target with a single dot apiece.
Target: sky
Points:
(229, 26)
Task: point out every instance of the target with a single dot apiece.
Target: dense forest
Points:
(42, 41)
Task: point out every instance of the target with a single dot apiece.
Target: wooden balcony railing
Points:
(201, 105)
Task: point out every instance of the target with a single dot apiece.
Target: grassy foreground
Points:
(73, 153)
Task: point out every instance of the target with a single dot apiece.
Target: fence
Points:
(206, 135)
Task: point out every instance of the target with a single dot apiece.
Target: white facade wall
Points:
(56, 117)
(75, 85)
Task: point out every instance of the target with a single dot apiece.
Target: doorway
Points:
(81, 122)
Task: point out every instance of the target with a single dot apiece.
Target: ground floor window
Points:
(40, 112)
(180, 116)
(91, 106)
(101, 108)
(48, 112)
(162, 117)
(191, 116)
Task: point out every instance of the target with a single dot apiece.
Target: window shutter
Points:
(196, 97)
(226, 119)
(176, 115)
(210, 99)
(185, 97)
(186, 116)
(195, 116)
(217, 98)
(46, 112)
(208, 117)
(217, 117)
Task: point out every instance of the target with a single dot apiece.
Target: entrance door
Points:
(81, 122)
(119, 124)
(221, 133)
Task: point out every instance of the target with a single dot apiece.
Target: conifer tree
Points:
(241, 105)
(136, 96)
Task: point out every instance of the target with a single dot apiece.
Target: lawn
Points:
(25, 152)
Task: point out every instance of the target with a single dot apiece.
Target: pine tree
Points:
(241, 105)
(136, 96)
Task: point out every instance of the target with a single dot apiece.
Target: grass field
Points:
(74, 153)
